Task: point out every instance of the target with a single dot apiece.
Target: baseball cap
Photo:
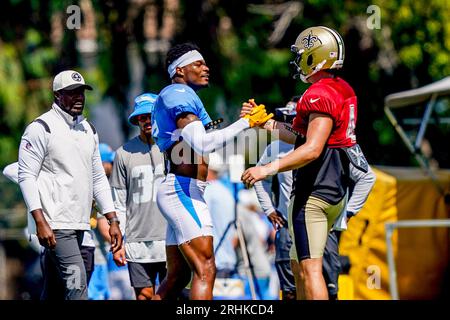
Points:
(216, 162)
(288, 112)
(143, 104)
(248, 198)
(106, 152)
(69, 80)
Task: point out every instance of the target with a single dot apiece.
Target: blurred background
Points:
(120, 46)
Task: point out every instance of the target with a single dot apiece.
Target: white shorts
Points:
(181, 202)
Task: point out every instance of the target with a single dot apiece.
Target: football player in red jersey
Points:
(326, 119)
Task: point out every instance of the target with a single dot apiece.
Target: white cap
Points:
(248, 197)
(69, 80)
(216, 162)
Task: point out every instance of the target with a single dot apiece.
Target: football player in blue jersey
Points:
(178, 127)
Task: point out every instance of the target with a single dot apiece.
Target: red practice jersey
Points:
(336, 98)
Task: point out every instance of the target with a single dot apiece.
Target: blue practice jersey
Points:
(172, 101)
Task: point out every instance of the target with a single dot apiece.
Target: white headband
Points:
(184, 60)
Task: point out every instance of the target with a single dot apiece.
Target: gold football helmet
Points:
(317, 48)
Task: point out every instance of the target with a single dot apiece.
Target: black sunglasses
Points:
(143, 117)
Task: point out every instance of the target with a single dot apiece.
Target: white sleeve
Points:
(203, 143)
(32, 151)
(264, 193)
(263, 188)
(120, 203)
(11, 171)
(101, 187)
(271, 153)
(364, 182)
(120, 200)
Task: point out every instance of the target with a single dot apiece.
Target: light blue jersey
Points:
(172, 101)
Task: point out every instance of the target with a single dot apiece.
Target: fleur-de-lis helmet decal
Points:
(317, 48)
(308, 41)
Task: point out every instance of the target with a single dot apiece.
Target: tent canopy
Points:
(427, 94)
(414, 96)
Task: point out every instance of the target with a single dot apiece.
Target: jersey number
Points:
(351, 123)
(143, 176)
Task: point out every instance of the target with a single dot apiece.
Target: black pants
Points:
(283, 244)
(331, 263)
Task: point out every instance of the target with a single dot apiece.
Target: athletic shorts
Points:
(180, 200)
(309, 227)
(144, 275)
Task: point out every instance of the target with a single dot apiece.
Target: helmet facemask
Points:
(296, 62)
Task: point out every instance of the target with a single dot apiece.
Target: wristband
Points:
(269, 125)
(113, 219)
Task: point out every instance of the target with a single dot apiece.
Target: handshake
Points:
(256, 114)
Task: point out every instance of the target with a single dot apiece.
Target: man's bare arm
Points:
(284, 131)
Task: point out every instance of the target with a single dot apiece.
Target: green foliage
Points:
(245, 65)
(252, 68)
(11, 85)
(411, 55)
(421, 34)
(385, 132)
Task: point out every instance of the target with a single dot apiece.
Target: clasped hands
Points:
(256, 114)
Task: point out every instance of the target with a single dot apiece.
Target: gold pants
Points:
(310, 226)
